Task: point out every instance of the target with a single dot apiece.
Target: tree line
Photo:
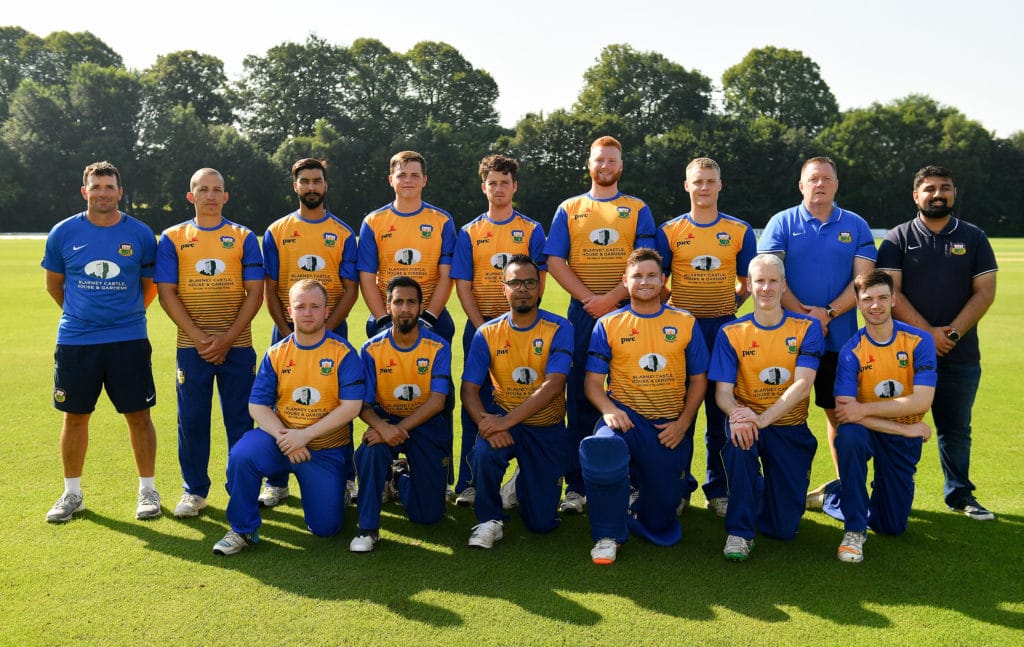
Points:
(67, 99)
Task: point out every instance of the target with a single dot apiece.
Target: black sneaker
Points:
(973, 509)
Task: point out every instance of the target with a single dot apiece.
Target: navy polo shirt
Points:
(938, 272)
(819, 259)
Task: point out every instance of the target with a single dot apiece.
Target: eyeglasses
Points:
(519, 284)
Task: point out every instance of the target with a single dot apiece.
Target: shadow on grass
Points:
(942, 562)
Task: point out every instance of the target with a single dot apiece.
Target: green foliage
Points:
(878, 150)
(781, 84)
(647, 92)
(447, 89)
(283, 93)
(183, 78)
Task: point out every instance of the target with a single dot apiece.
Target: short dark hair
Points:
(866, 280)
(641, 254)
(406, 156)
(101, 168)
(933, 170)
(498, 164)
(403, 281)
(521, 259)
(308, 163)
(820, 159)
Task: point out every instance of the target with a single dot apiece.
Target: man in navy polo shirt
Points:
(823, 248)
(945, 271)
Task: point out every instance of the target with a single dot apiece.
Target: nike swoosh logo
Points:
(151, 398)
(75, 248)
(798, 233)
(909, 247)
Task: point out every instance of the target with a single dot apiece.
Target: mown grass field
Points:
(106, 578)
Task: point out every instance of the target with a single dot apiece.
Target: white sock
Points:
(74, 486)
(146, 482)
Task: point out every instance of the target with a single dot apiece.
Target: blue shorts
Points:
(124, 368)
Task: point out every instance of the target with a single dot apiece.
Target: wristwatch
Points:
(953, 335)
(831, 312)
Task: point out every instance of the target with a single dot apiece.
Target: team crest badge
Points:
(958, 249)
(623, 212)
(670, 332)
(845, 237)
(902, 359)
(181, 376)
(538, 346)
(227, 242)
(422, 365)
(791, 344)
(723, 238)
(326, 366)
(426, 231)
(59, 395)
(330, 239)
(518, 235)
(125, 249)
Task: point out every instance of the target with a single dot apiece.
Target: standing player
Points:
(945, 276)
(482, 250)
(823, 247)
(591, 236)
(525, 356)
(407, 237)
(310, 243)
(764, 364)
(655, 362)
(209, 274)
(884, 385)
(408, 379)
(99, 270)
(706, 252)
(308, 389)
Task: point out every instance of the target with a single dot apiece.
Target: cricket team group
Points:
(597, 407)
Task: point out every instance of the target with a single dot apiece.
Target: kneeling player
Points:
(408, 377)
(527, 353)
(765, 363)
(655, 362)
(308, 389)
(885, 383)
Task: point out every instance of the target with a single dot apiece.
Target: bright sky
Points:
(966, 55)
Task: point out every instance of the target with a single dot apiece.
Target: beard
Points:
(406, 326)
(937, 211)
(594, 175)
(312, 200)
(524, 309)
